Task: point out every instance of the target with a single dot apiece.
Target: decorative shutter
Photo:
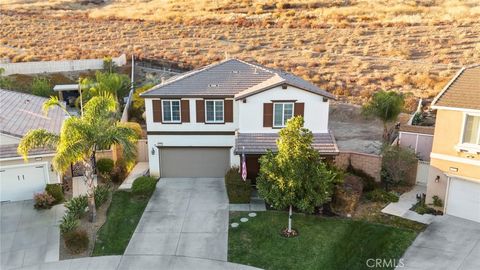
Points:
(185, 113)
(299, 108)
(267, 114)
(228, 111)
(157, 110)
(200, 107)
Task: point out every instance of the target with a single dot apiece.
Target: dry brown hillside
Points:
(351, 48)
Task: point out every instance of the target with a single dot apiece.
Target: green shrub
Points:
(437, 201)
(43, 200)
(76, 241)
(69, 223)
(41, 87)
(100, 194)
(76, 206)
(105, 166)
(56, 191)
(144, 186)
(238, 191)
(422, 209)
(380, 195)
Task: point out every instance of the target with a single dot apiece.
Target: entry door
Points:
(21, 183)
(464, 199)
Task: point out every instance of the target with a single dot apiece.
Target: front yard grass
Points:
(323, 243)
(123, 215)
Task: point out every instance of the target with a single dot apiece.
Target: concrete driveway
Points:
(449, 243)
(28, 236)
(185, 217)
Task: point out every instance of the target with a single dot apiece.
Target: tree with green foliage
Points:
(137, 107)
(109, 66)
(386, 106)
(397, 164)
(5, 82)
(295, 176)
(81, 136)
(41, 86)
(116, 84)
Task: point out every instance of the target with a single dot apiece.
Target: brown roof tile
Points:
(463, 91)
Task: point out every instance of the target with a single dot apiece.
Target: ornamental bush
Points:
(69, 223)
(56, 191)
(144, 186)
(43, 200)
(380, 195)
(100, 194)
(105, 166)
(76, 206)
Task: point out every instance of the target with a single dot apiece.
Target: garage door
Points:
(22, 182)
(464, 199)
(194, 162)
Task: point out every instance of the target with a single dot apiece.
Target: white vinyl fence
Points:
(58, 66)
(422, 172)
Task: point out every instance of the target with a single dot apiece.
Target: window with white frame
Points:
(282, 111)
(171, 111)
(471, 130)
(214, 111)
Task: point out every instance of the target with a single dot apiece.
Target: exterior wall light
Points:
(153, 151)
(437, 179)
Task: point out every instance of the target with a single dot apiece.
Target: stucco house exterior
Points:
(200, 122)
(454, 173)
(20, 113)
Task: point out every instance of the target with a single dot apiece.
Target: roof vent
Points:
(213, 85)
(255, 71)
(235, 71)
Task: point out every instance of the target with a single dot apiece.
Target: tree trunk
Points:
(90, 181)
(290, 219)
(385, 133)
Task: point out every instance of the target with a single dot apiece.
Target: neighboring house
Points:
(454, 173)
(200, 122)
(20, 113)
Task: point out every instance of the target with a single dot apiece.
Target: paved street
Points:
(28, 236)
(185, 217)
(448, 243)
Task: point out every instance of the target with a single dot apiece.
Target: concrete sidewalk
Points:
(405, 202)
(140, 169)
(184, 217)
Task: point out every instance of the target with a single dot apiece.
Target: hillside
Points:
(351, 48)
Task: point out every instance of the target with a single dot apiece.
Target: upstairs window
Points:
(214, 111)
(171, 111)
(281, 113)
(471, 130)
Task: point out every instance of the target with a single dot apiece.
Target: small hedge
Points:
(43, 200)
(69, 223)
(76, 241)
(76, 206)
(100, 194)
(238, 191)
(144, 186)
(105, 166)
(56, 191)
(380, 195)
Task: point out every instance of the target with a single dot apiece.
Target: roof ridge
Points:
(256, 66)
(447, 86)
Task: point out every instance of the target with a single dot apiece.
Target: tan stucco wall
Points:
(53, 176)
(448, 131)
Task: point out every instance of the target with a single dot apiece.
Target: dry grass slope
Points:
(350, 47)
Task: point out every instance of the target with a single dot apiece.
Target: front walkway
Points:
(449, 243)
(140, 169)
(405, 202)
(29, 236)
(185, 217)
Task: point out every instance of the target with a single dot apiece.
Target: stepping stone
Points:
(252, 214)
(234, 225)
(243, 219)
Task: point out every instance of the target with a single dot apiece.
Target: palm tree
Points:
(97, 128)
(386, 106)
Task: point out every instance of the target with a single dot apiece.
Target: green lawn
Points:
(122, 218)
(323, 243)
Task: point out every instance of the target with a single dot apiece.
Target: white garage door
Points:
(22, 182)
(464, 199)
(194, 162)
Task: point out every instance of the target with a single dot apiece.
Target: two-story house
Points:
(454, 174)
(200, 122)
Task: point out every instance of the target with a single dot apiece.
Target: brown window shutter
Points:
(157, 110)
(299, 108)
(228, 111)
(185, 114)
(267, 114)
(200, 107)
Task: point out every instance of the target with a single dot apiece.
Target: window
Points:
(471, 130)
(281, 113)
(214, 111)
(171, 111)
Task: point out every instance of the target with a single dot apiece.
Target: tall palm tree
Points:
(386, 106)
(97, 128)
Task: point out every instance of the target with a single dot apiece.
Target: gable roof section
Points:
(463, 91)
(229, 78)
(20, 113)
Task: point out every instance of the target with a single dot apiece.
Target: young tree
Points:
(295, 176)
(116, 84)
(81, 136)
(397, 164)
(386, 106)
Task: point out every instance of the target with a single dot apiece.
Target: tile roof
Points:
(418, 129)
(463, 91)
(10, 151)
(232, 77)
(20, 113)
(258, 143)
